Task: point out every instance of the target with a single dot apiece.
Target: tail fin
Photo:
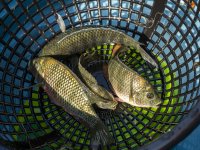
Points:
(100, 136)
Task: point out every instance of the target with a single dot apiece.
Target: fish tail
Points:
(100, 136)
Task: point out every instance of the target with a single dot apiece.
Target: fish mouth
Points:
(152, 103)
(32, 67)
(156, 104)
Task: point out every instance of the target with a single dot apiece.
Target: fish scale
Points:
(65, 89)
(56, 74)
(80, 39)
(129, 86)
(89, 80)
(121, 86)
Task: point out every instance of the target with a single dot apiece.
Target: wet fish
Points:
(65, 89)
(102, 98)
(129, 86)
(91, 82)
(79, 39)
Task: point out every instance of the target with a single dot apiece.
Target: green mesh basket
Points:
(169, 29)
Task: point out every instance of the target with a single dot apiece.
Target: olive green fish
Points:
(129, 86)
(65, 89)
(91, 82)
(79, 39)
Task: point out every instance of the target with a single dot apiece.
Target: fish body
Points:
(65, 89)
(90, 81)
(100, 96)
(79, 39)
(130, 86)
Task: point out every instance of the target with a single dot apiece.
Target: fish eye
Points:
(150, 95)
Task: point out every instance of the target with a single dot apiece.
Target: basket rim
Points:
(178, 133)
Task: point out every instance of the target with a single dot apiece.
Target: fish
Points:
(66, 90)
(89, 80)
(129, 86)
(102, 98)
(77, 40)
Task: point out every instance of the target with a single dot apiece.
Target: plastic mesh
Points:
(28, 119)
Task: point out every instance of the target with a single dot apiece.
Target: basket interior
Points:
(28, 119)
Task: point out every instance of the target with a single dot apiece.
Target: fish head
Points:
(37, 66)
(36, 63)
(146, 96)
